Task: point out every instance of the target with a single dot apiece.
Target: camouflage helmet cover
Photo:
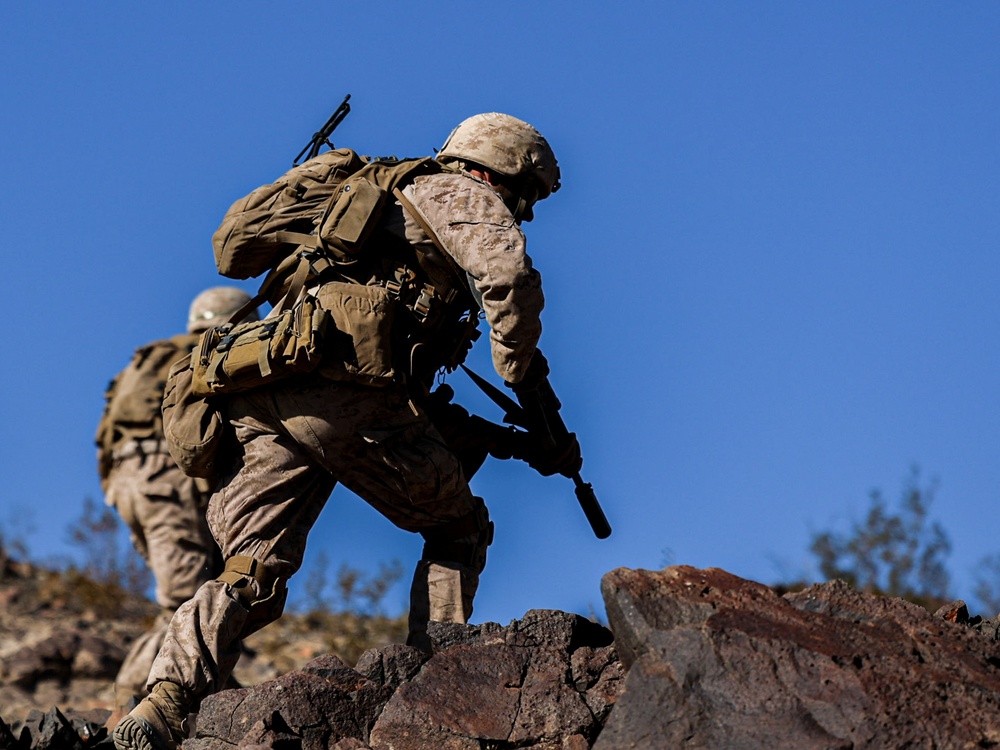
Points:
(213, 306)
(506, 144)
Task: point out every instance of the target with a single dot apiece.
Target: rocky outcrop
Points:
(715, 661)
(546, 681)
(699, 659)
(63, 654)
(58, 646)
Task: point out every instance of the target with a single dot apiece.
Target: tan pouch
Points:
(358, 343)
(351, 216)
(230, 360)
(192, 426)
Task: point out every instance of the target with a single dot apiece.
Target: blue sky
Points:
(771, 274)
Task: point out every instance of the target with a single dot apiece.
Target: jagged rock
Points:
(513, 686)
(958, 612)
(270, 734)
(955, 611)
(712, 660)
(318, 705)
(390, 666)
(7, 739)
(462, 695)
(64, 654)
(546, 681)
(51, 730)
(54, 730)
(720, 662)
(447, 634)
(597, 674)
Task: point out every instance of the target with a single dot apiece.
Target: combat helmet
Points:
(506, 145)
(213, 306)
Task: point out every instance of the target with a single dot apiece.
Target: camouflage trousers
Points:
(164, 511)
(297, 440)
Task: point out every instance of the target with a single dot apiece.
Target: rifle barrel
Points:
(322, 136)
(591, 508)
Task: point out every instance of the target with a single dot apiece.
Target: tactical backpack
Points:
(251, 240)
(315, 223)
(132, 399)
(328, 205)
(316, 219)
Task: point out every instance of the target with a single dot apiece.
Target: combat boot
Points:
(159, 722)
(125, 701)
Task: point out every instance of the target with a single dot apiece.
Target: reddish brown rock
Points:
(721, 662)
(547, 681)
(715, 661)
(324, 702)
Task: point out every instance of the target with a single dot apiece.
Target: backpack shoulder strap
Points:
(408, 206)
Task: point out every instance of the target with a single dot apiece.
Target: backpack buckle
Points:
(424, 302)
(267, 330)
(228, 337)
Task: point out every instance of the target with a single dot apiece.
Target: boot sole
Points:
(133, 733)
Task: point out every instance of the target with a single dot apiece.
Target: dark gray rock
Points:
(318, 705)
(392, 665)
(958, 612)
(7, 739)
(598, 675)
(53, 730)
(546, 681)
(444, 635)
(556, 631)
(269, 734)
(65, 654)
(720, 662)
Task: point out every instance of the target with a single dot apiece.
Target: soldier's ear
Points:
(485, 175)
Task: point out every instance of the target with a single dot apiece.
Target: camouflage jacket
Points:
(479, 232)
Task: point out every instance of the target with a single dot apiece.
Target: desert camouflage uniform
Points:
(480, 234)
(299, 437)
(164, 511)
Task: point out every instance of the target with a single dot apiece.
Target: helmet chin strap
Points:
(519, 206)
(522, 204)
(526, 197)
(519, 202)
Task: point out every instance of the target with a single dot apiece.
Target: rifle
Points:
(541, 418)
(322, 136)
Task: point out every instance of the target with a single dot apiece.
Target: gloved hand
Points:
(565, 458)
(441, 410)
(451, 419)
(534, 376)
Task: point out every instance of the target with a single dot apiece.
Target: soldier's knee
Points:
(463, 540)
(257, 588)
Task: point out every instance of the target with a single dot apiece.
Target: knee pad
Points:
(256, 587)
(463, 540)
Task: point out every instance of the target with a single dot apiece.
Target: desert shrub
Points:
(898, 553)
(109, 572)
